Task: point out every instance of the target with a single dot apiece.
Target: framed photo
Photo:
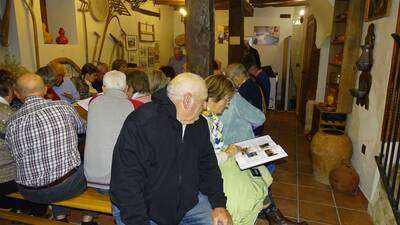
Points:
(131, 56)
(146, 32)
(143, 52)
(131, 42)
(267, 35)
(375, 9)
(143, 63)
(156, 52)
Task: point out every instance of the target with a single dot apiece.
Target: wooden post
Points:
(236, 31)
(200, 36)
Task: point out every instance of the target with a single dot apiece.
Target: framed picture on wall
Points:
(131, 56)
(267, 35)
(375, 9)
(131, 42)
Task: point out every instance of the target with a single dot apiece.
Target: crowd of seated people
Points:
(166, 143)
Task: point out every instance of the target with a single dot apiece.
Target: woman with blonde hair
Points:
(157, 80)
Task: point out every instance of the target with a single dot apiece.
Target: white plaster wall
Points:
(221, 50)
(364, 127)
(297, 50)
(24, 34)
(271, 54)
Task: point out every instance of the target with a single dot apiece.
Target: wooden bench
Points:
(90, 200)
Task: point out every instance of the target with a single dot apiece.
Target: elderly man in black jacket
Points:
(164, 169)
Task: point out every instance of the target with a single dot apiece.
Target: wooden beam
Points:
(280, 3)
(236, 31)
(199, 43)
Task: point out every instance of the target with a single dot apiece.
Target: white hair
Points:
(186, 83)
(114, 80)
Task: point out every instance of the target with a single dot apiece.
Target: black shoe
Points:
(89, 223)
(275, 217)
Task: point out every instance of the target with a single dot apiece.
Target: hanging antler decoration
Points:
(116, 7)
(29, 6)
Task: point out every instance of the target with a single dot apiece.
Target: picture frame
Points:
(376, 9)
(146, 32)
(131, 42)
(131, 56)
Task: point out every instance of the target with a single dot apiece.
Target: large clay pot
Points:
(328, 148)
(344, 178)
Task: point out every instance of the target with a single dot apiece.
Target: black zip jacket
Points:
(157, 174)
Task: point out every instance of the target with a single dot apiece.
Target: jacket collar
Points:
(115, 93)
(160, 97)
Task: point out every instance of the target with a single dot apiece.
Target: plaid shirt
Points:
(42, 137)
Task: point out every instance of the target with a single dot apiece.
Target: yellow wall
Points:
(25, 45)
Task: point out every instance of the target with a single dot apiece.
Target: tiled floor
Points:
(295, 191)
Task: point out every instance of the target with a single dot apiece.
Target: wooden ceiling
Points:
(224, 4)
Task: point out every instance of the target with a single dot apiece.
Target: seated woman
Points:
(138, 84)
(245, 192)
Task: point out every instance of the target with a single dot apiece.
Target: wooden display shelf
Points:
(336, 123)
(336, 65)
(349, 22)
(337, 43)
(343, 20)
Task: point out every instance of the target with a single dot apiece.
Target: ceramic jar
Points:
(328, 148)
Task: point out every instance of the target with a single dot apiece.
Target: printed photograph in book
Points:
(252, 151)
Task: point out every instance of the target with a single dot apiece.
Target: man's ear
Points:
(187, 100)
(103, 88)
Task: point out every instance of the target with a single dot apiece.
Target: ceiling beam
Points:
(219, 5)
(279, 3)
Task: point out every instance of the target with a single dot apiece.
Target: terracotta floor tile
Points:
(318, 213)
(308, 180)
(287, 207)
(285, 177)
(313, 222)
(305, 168)
(358, 201)
(316, 195)
(352, 217)
(288, 191)
(287, 166)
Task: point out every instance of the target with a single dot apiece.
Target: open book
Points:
(258, 151)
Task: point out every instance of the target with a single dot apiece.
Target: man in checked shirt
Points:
(42, 138)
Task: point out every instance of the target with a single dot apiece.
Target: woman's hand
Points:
(232, 150)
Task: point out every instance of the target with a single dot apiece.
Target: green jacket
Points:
(7, 165)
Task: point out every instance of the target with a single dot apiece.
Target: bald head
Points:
(188, 92)
(30, 84)
(186, 83)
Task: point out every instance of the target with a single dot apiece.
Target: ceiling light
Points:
(302, 12)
